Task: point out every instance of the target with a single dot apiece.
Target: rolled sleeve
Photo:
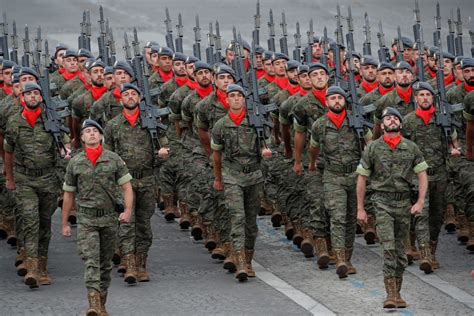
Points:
(124, 179)
(362, 171)
(68, 188)
(216, 147)
(7, 146)
(422, 166)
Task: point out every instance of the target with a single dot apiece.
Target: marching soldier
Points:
(386, 83)
(267, 65)
(163, 72)
(7, 70)
(368, 71)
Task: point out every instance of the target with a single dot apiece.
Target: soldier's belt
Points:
(33, 172)
(349, 168)
(396, 196)
(138, 174)
(96, 212)
(244, 168)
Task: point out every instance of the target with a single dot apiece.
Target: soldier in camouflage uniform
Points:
(368, 71)
(109, 81)
(386, 83)
(340, 148)
(420, 127)
(91, 178)
(58, 62)
(178, 80)
(267, 65)
(7, 70)
(391, 162)
(237, 172)
(30, 160)
(70, 65)
(449, 80)
(162, 57)
(147, 53)
(134, 145)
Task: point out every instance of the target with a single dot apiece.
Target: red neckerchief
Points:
(246, 64)
(87, 86)
(68, 76)
(369, 87)
(432, 73)
(61, 70)
(22, 101)
(282, 82)
(269, 78)
(337, 119)
(404, 95)
(192, 84)
(384, 91)
(97, 92)
(320, 95)
(303, 92)
(468, 88)
(181, 81)
(155, 69)
(165, 76)
(31, 116)
(237, 118)
(358, 78)
(412, 63)
(457, 82)
(392, 142)
(425, 115)
(7, 89)
(131, 119)
(330, 64)
(93, 154)
(204, 92)
(292, 90)
(222, 97)
(260, 73)
(116, 94)
(448, 80)
(83, 79)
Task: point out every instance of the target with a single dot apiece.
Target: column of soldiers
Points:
(316, 173)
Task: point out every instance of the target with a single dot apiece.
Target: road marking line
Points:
(297, 296)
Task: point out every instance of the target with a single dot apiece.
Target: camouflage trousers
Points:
(36, 198)
(428, 223)
(455, 193)
(467, 181)
(313, 212)
(340, 201)
(243, 204)
(170, 177)
(393, 225)
(96, 247)
(137, 235)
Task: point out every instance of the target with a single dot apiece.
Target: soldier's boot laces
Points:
(219, 252)
(230, 259)
(289, 229)
(210, 243)
(298, 236)
(185, 220)
(20, 262)
(196, 228)
(399, 300)
(350, 268)
(103, 301)
(31, 277)
(276, 215)
(241, 273)
(341, 265)
(426, 263)
(391, 289)
(470, 243)
(131, 275)
(142, 273)
(433, 246)
(248, 260)
(322, 253)
(369, 230)
(463, 233)
(168, 200)
(94, 303)
(307, 247)
(44, 278)
(9, 223)
(450, 219)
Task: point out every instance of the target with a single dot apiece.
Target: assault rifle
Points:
(25, 59)
(110, 44)
(367, 49)
(169, 31)
(210, 46)
(197, 39)
(383, 52)
(339, 76)
(257, 23)
(126, 49)
(309, 49)
(437, 33)
(218, 54)
(450, 38)
(271, 33)
(418, 33)
(297, 50)
(179, 39)
(14, 52)
(84, 40)
(324, 45)
(458, 40)
(400, 47)
(284, 32)
(471, 34)
(4, 38)
(102, 39)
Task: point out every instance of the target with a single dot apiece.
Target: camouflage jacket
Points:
(286, 109)
(175, 102)
(70, 87)
(166, 90)
(392, 99)
(88, 182)
(81, 106)
(7, 110)
(5, 101)
(106, 108)
(3, 95)
(306, 111)
(391, 171)
(208, 112)
(456, 95)
(278, 98)
(155, 80)
(70, 100)
(59, 81)
(371, 97)
(190, 138)
(263, 82)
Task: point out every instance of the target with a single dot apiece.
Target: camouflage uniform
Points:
(391, 174)
(70, 87)
(96, 216)
(155, 80)
(106, 108)
(392, 99)
(81, 106)
(466, 172)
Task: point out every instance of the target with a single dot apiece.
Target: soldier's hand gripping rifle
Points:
(257, 23)
(271, 33)
(367, 49)
(218, 54)
(210, 46)
(450, 38)
(102, 39)
(255, 110)
(197, 39)
(358, 113)
(418, 34)
(25, 59)
(14, 52)
(84, 40)
(4, 39)
(338, 75)
(308, 56)
(283, 38)
(383, 52)
(169, 31)
(53, 122)
(297, 50)
(179, 39)
(458, 40)
(150, 115)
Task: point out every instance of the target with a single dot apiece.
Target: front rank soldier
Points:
(389, 161)
(91, 178)
(30, 160)
(133, 144)
(237, 171)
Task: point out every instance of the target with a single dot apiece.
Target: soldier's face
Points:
(236, 100)
(246, 53)
(317, 50)
(59, 58)
(109, 81)
(148, 55)
(164, 62)
(121, 77)
(32, 99)
(336, 103)
(7, 76)
(319, 79)
(391, 124)
(190, 71)
(268, 68)
(154, 59)
(16, 88)
(424, 99)
(356, 62)
(81, 61)
(458, 72)
(468, 74)
(293, 76)
(408, 54)
(369, 72)
(386, 77)
(229, 55)
(448, 66)
(305, 81)
(203, 77)
(179, 68)
(97, 76)
(279, 66)
(24, 79)
(223, 81)
(432, 63)
(259, 60)
(71, 64)
(130, 99)
(404, 77)
(91, 136)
